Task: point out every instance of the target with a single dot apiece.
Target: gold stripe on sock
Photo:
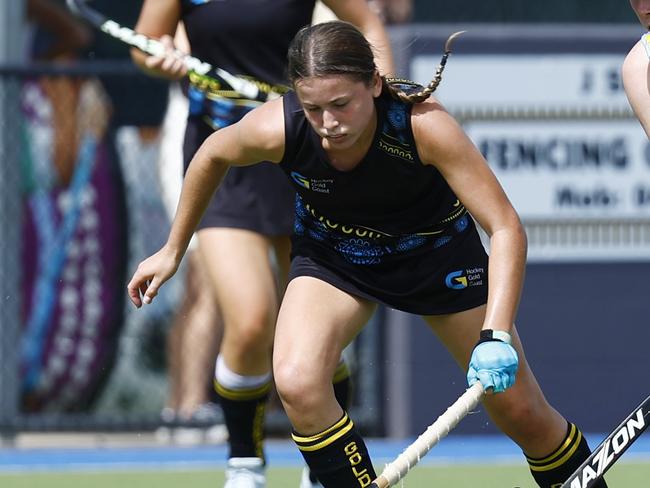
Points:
(248, 394)
(342, 372)
(572, 431)
(560, 455)
(258, 429)
(312, 443)
(307, 439)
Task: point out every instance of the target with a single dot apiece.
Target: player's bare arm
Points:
(159, 20)
(259, 136)
(441, 142)
(636, 81)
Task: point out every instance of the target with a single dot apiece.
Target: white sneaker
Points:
(306, 482)
(247, 472)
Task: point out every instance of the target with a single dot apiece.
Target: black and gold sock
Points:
(243, 411)
(342, 390)
(553, 470)
(337, 456)
(342, 385)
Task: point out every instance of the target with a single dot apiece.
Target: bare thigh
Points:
(238, 263)
(282, 248)
(522, 411)
(315, 323)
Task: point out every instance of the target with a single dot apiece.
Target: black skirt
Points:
(445, 276)
(258, 198)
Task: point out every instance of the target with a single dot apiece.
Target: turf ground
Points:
(623, 475)
(457, 462)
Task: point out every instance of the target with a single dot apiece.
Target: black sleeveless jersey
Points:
(249, 38)
(391, 229)
(390, 200)
(245, 37)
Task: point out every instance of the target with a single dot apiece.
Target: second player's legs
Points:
(199, 337)
(192, 346)
(242, 276)
(239, 266)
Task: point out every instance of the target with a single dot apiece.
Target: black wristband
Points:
(488, 335)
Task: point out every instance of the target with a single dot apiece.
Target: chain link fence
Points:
(83, 201)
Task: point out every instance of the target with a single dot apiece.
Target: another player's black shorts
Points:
(257, 198)
(431, 280)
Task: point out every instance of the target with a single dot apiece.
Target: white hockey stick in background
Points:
(214, 78)
(395, 471)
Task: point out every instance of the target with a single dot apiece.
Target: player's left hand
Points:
(151, 274)
(494, 363)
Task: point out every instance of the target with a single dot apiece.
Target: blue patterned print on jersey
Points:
(360, 251)
(301, 215)
(397, 115)
(220, 112)
(407, 243)
(441, 241)
(395, 124)
(461, 224)
(362, 245)
(317, 234)
(357, 244)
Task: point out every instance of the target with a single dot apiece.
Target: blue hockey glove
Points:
(494, 362)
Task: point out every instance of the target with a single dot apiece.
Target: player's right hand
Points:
(170, 64)
(494, 364)
(150, 275)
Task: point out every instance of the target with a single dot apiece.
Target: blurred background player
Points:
(393, 11)
(636, 74)
(243, 237)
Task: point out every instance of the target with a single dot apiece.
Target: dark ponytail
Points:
(425, 92)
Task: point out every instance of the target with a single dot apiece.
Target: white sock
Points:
(234, 381)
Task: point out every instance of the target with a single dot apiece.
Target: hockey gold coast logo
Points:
(323, 185)
(464, 278)
(355, 458)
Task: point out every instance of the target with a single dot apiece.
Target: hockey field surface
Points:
(457, 462)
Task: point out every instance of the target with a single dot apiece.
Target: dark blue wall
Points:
(586, 331)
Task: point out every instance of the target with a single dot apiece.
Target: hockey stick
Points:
(612, 448)
(214, 79)
(395, 471)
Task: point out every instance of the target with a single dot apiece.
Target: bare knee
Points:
(529, 421)
(300, 391)
(249, 333)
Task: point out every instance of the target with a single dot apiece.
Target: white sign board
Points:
(569, 169)
(551, 168)
(528, 81)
